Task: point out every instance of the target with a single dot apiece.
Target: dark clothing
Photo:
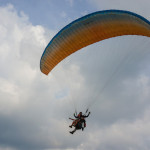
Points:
(80, 119)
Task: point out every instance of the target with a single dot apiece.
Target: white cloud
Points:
(21, 46)
(121, 135)
(34, 108)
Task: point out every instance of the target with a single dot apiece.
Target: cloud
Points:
(34, 108)
(31, 112)
(121, 135)
(21, 45)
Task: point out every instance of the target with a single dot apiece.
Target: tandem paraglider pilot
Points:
(79, 122)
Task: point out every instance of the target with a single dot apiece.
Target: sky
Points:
(111, 78)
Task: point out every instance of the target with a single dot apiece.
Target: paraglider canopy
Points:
(90, 29)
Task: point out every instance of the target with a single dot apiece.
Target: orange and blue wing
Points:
(89, 29)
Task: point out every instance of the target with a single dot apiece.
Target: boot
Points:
(71, 132)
